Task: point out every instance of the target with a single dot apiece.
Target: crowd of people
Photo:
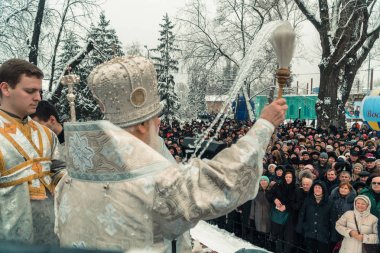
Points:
(78, 186)
(314, 180)
(112, 184)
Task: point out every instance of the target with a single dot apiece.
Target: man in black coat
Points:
(322, 167)
(315, 220)
(331, 180)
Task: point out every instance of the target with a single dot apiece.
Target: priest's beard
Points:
(154, 139)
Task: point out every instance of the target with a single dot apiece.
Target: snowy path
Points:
(219, 240)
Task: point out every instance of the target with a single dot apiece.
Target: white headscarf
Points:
(367, 211)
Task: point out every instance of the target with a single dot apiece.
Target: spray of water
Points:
(245, 70)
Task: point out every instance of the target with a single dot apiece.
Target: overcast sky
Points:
(139, 20)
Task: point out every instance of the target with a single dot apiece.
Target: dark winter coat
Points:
(330, 185)
(342, 204)
(322, 170)
(374, 172)
(315, 220)
(301, 196)
(260, 211)
(286, 193)
(245, 212)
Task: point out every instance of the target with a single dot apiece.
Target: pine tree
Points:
(165, 64)
(85, 106)
(106, 40)
(107, 46)
(69, 49)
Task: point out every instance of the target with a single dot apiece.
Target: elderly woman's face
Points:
(357, 170)
(361, 205)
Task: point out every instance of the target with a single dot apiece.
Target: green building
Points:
(300, 107)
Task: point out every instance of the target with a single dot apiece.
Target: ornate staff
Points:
(70, 81)
(282, 40)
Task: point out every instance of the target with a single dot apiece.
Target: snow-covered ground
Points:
(219, 240)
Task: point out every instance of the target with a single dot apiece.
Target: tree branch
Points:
(310, 16)
(71, 64)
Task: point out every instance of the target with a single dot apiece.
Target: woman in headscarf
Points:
(260, 212)
(283, 199)
(358, 226)
(373, 193)
(315, 220)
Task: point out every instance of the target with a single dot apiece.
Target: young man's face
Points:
(23, 99)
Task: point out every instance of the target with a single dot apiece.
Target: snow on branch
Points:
(310, 16)
(346, 34)
(72, 63)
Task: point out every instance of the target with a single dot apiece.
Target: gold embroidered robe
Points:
(26, 183)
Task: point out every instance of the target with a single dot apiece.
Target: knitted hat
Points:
(358, 165)
(264, 178)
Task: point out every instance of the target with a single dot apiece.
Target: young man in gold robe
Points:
(29, 168)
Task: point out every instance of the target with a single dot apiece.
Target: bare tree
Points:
(33, 53)
(16, 21)
(34, 28)
(209, 42)
(135, 48)
(348, 30)
(70, 16)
